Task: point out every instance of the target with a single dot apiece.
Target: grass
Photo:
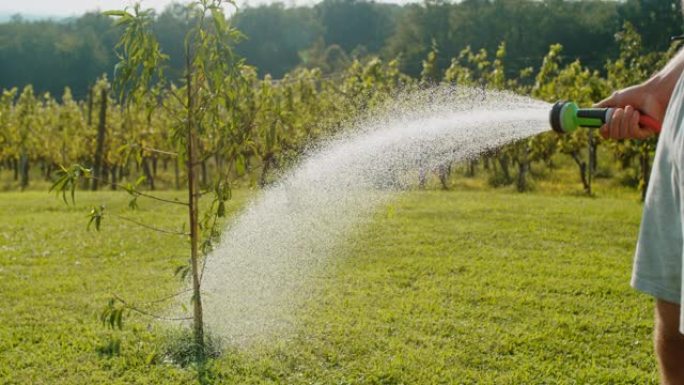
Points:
(469, 287)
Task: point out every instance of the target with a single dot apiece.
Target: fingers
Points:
(624, 124)
(640, 132)
(615, 124)
(611, 101)
(627, 118)
(633, 95)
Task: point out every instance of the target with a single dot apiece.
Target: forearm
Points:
(649, 98)
(663, 82)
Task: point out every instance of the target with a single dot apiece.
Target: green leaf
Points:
(219, 20)
(117, 13)
(119, 319)
(182, 271)
(240, 165)
(96, 215)
(133, 203)
(151, 358)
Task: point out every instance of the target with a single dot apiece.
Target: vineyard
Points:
(263, 125)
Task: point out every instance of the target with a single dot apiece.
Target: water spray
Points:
(566, 117)
(276, 255)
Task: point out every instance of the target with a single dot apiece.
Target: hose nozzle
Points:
(566, 117)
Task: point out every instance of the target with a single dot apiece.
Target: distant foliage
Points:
(51, 55)
(265, 124)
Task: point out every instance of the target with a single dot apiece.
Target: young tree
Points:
(204, 110)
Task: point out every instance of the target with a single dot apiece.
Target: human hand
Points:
(628, 105)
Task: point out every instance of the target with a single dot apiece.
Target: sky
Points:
(60, 8)
(69, 7)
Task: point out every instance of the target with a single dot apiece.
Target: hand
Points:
(629, 104)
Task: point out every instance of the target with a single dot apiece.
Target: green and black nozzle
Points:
(566, 117)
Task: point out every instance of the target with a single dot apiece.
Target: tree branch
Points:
(150, 227)
(147, 313)
(173, 93)
(171, 112)
(142, 194)
(165, 298)
(160, 151)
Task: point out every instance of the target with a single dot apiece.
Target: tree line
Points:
(53, 54)
(273, 121)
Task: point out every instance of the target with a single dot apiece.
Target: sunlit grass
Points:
(471, 286)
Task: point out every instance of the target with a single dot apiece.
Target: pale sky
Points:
(70, 7)
(78, 7)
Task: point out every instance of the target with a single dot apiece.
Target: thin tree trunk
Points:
(148, 173)
(48, 171)
(15, 166)
(176, 173)
(154, 166)
(24, 167)
(422, 177)
(97, 168)
(503, 162)
(443, 172)
(470, 167)
(105, 174)
(114, 176)
(193, 211)
(264, 171)
(523, 168)
(124, 170)
(583, 171)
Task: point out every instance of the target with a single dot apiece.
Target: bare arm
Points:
(650, 97)
(667, 77)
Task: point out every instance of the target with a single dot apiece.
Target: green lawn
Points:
(472, 287)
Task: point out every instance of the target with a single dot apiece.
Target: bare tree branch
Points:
(147, 313)
(168, 297)
(142, 194)
(150, 227)
(160, 151)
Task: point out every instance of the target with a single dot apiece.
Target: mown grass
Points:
(468, 287)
